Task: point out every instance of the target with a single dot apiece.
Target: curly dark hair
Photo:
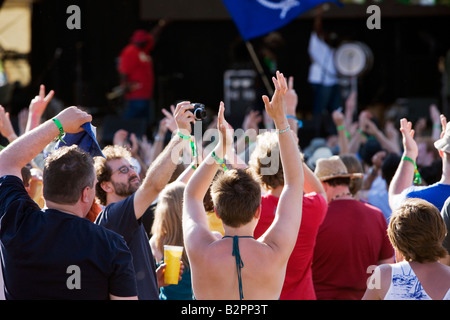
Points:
(103, 171)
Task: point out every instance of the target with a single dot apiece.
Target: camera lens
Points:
(199, 111)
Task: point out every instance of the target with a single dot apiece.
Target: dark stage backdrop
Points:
(193, 54)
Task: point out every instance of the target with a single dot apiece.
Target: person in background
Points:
(298, 284)
(406, 182)
(126, 199)
(137, 76)
(323, 76)
(416, 230)
(351, 238)
(167, 230)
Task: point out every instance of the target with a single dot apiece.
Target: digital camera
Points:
(199, 111)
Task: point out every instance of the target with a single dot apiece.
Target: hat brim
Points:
(443, 144)
(342, 175)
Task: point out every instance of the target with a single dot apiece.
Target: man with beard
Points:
(126, 199)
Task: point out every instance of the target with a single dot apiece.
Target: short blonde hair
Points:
(417, 230)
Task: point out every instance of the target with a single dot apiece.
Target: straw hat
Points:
(333, 167)
(444, 143)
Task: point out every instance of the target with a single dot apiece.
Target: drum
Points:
(353, 59)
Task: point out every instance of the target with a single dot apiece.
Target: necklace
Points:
(341, 195)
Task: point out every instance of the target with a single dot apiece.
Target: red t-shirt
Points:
(298, 284)
(137, 65)
(352, 237)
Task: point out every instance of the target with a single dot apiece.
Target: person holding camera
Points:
(126, 198)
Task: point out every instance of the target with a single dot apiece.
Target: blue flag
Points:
(255, 18)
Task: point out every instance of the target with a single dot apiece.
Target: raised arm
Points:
(343, 135)
(291, 106)
(282, 234)
(404, 176)
(195, 227)
(161, 170)
(6, 128)
(312, 183)
(28, 146)
(37, 108)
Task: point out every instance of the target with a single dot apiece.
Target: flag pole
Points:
(259, 67)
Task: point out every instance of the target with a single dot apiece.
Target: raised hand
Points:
(276, 108)
(40, 102)
(72, 119)
(6, 128)
(291, 98)
(409, 144)
(169, 120)
(184, 117)
(252, 120)
(226, 132)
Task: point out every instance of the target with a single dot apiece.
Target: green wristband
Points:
(417, 177)
(182, 136)
(219, 161)
(60, 128)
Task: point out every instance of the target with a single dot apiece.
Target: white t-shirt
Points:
(322, 69)
(405, 285)
(2, 285)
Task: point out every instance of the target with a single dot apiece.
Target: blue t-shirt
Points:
(49, 254)
(120, 217)
(436, 194)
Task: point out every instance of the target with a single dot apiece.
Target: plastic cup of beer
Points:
(172, 259)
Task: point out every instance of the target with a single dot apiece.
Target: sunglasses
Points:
(125, 169)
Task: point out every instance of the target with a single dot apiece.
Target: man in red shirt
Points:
(352, 238)
(137, 73)
(298, 284)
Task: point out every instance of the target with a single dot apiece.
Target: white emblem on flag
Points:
(284, 6)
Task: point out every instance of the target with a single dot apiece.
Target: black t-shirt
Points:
(48, 254)
(121, 218)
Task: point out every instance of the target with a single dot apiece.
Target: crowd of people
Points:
(359, 215)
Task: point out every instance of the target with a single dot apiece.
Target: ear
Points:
(215, 211)
(258, 212)
(85, 194)
(107, 186)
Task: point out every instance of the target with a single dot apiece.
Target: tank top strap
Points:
(239, 263)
